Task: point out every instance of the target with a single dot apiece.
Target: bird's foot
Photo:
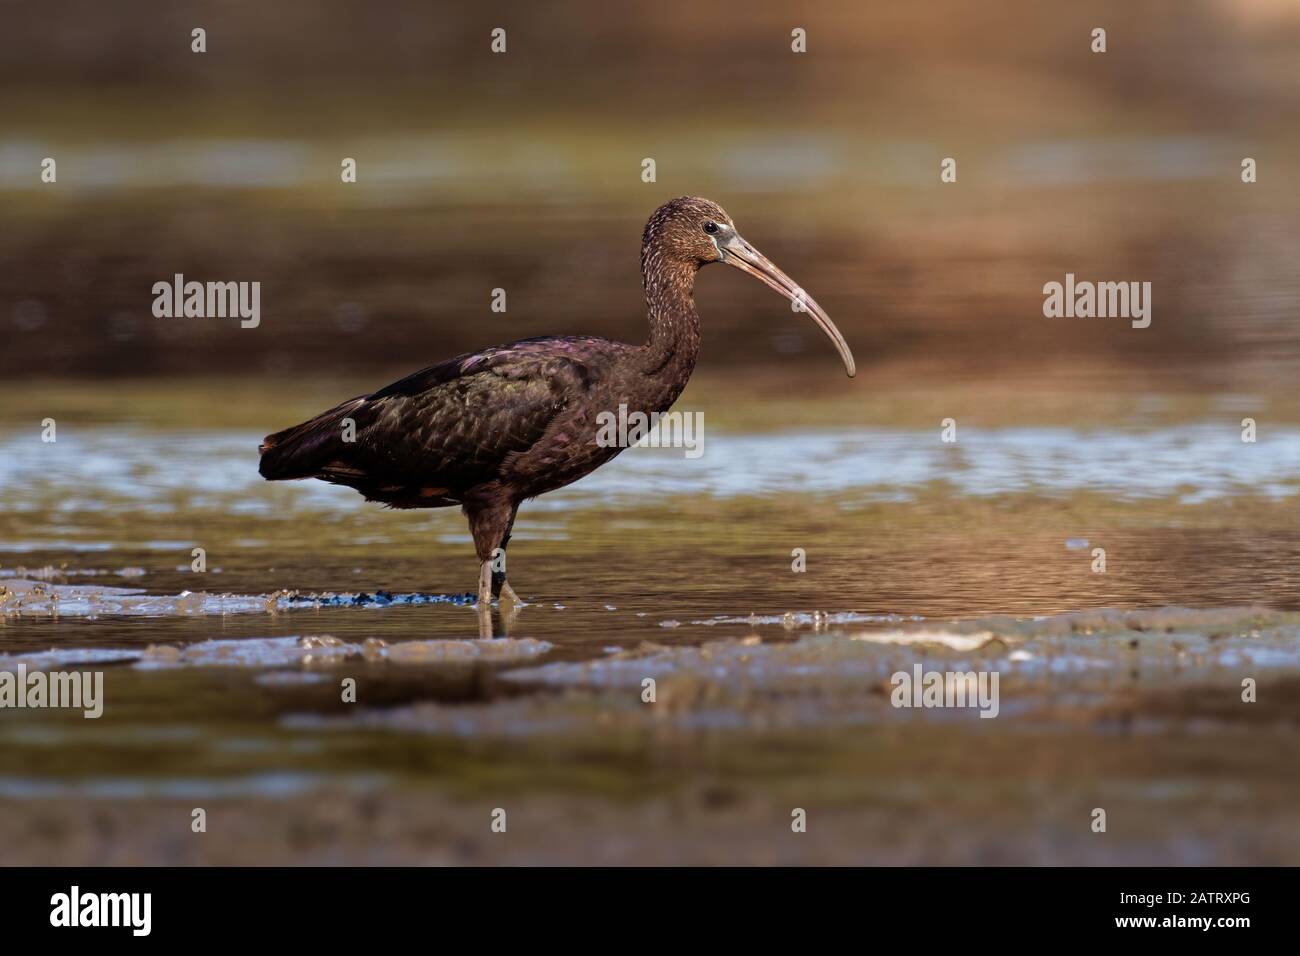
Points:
(508, 603)
(508, 596)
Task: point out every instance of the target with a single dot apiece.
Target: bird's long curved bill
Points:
(739, 253)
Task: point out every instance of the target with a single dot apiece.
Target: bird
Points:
(491, 429)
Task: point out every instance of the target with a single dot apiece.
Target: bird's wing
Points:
(449, 426)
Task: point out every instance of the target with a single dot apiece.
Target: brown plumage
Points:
(490, 429)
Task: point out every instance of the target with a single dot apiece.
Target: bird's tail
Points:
(304, 450)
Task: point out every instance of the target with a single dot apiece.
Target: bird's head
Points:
(698, 231)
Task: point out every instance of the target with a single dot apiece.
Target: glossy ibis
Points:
(490, 429)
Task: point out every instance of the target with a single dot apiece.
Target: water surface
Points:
(224, 687)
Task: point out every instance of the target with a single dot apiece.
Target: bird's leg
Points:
(501, 588)
(484, 606)
(485, 584)
(509, 603)
(490, 523)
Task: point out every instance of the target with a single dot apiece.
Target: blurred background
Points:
(523, 171)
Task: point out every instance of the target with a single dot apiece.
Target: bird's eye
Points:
(710, 227)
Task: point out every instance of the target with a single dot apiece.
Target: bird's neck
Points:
(674, 344)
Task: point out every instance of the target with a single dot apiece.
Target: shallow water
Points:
(1191, 462)
(223, 687)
